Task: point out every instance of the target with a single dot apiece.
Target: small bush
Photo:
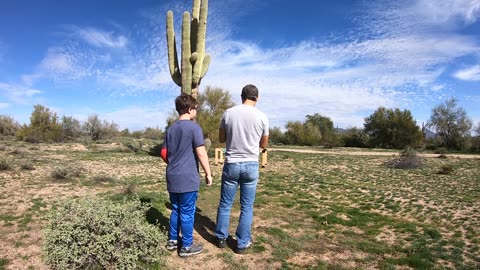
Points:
(91, 233)
(19, 151)
(446, 169)
(129, 187)
(103, 178)
(65, 173)
(27, 165)
(4, 165)
(408, 159)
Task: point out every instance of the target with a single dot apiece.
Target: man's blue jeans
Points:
(245, 175)
(182, 216)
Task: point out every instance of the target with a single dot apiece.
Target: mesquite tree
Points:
(194, 60)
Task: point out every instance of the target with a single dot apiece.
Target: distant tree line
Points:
(46, 126)
(384, 128)
(387, 128)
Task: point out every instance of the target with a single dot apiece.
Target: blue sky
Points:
(342, 59)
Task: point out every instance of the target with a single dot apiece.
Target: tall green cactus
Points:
(194, 61)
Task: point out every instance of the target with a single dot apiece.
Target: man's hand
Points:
(208, 180)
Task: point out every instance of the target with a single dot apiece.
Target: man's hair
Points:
(250, 92)
(185, 102)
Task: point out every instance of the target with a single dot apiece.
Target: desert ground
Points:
(315, 209)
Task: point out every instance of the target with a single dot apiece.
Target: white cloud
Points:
(18, 94)
(101, 38)
(4, 105)
(60, 64)
(448, 11)
(469, 74)
(136, 118)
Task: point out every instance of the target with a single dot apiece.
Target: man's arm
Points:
(264, 142)
(222, 135)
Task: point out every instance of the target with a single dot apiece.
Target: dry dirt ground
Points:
(25, 195)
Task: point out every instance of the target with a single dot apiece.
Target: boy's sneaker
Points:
(192, 250)
(243, 250)
(172, 245)
(221, 243)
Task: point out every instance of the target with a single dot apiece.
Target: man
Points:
(244, 128)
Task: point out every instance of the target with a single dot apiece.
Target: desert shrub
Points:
(446, 169)
(129, 187)
(8, 125)
(19, 151)
(134, 146)
(65, 172)
(27, 165)
(98, 129)
(408, 159)
(92, 233)
(4, 165)
(3, 147)
(103, 178)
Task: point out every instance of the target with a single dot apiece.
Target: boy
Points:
(182, 149)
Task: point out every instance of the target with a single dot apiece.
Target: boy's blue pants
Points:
(182, 216)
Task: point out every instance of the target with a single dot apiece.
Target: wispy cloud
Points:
(441, 12)
(129, 117)
(18, 94)
(469, 74)
(100, 38)
(60, 64)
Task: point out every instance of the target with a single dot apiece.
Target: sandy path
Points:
(369, 153)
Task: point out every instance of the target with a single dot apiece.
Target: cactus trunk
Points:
(194, 61)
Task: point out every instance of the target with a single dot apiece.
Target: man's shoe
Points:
(190, 251)
(172, 245)
(221, 243)
(243, 250)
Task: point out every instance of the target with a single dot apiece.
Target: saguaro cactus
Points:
(194, 61)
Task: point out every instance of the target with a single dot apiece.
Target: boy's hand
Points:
(208, 180)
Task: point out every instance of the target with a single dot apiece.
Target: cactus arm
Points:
(202, 29)
(194, 26)
(172, 51)
(186, 55)
(206, 63)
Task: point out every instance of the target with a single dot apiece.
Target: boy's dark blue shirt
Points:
(181, 140)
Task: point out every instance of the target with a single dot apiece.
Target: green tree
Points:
(44, 126)
(325, 124)
(276, 136)
(153, 133)
(299, 133)
(392, 128)
(211, 104)
(71, 128)
(8, 126)
(354, 137)
(97, 129)
(451, 123)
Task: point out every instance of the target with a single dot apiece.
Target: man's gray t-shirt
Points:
(244, 126)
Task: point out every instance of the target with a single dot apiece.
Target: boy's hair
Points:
(185, 102)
